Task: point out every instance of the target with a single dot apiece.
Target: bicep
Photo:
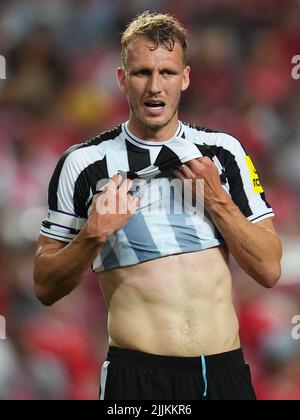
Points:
(67, 192)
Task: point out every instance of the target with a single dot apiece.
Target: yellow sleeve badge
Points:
(257, 187)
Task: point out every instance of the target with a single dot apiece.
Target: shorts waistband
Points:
(230, 359)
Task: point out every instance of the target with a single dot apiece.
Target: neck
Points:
(153, 133)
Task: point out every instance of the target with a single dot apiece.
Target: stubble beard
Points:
(154, 127)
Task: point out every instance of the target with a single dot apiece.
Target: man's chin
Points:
(155, 124)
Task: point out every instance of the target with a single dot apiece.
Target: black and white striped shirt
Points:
(147, 236)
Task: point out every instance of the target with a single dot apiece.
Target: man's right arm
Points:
(59, 268)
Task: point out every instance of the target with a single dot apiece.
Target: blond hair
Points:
(161, 29)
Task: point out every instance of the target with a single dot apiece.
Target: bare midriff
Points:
(180, 305)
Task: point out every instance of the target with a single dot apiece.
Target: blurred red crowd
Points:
(60, 90)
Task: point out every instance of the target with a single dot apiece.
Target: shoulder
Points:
(218, 141)
(83, 154)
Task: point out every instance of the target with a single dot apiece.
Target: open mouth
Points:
(155, 106)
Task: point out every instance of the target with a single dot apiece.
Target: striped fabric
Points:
(150, 234)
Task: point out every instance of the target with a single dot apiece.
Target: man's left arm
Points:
(256, 247)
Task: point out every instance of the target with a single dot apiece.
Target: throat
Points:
(153, 131)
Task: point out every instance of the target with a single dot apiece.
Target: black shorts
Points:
(133, 375)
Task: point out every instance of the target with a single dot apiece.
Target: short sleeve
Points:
(67, 211)
(245, 186)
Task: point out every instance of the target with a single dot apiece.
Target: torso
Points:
(180, 305)
(165, 276)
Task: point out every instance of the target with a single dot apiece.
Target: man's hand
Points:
(111, 209)
(256, 247)
(204, 168)
(59, 268)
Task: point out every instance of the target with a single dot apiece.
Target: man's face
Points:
(153, 81)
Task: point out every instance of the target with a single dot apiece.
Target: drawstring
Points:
(204, 375)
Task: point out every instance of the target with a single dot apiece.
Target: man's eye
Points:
(167, 73)
(142, 73)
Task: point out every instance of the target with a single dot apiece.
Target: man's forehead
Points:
(141, 47)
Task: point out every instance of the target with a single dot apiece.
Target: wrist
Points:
(91, 239)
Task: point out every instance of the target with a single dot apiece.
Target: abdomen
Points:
(177, 305)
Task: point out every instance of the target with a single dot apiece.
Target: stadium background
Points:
(60, 90)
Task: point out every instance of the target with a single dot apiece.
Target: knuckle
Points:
(129, 182)
(95, 198)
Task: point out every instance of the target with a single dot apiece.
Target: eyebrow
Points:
(147, 69)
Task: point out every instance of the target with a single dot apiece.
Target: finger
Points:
(125, 186)
(194, 164)
(179, 175)
(94, 201)
(116, 181)
(102, 185)
(187, 171)
(206, 163)
(109, 186)
(133, 204)
(204, 159)
(98, 195)
(135, 200)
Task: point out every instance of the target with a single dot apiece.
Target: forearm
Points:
(256, 250)
(58, 268)
(57, 273)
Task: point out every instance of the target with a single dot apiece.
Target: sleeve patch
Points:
(256, 185)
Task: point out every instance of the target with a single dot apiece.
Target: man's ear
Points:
(121, 79)
(186, 78)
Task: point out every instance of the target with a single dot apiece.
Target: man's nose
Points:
(154, 84)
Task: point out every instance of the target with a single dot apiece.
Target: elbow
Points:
(40, 291)
(43, 297)
(47, 294)
(271, 276)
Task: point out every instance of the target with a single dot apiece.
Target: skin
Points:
(158, 75)
(181, 304)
